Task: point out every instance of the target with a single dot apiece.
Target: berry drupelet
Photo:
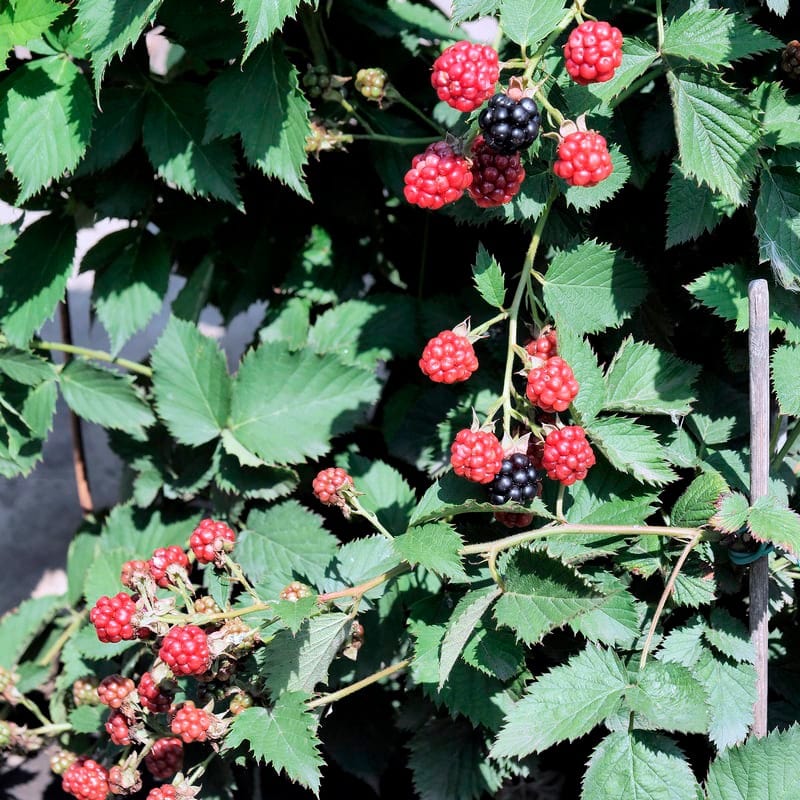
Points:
(509, 125)
(517, 481)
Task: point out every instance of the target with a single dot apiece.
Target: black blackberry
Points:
(790, 59)
(509, 125)
(516, 482)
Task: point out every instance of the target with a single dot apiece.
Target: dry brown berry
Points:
(206, 605)
(84, 691)
(790, 59)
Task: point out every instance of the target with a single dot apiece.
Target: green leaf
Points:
(45, 121)
(730, 637)
(631, 448)
(695, 507)
(261, 19)
(25, 20)
(541, 594)
(785, 369)
(190, 383)
(192, 298)
(616, 622)
(288, 322)
(82, 552)
(285, 542)
(451, 495)
(358, 561)
(718, 135)
(294, 613)
(638, 765)
(262, 483)
(34, 277)
(110, 27)
(86, 719)
(24, 367)
(642, 378)
(565, 703)
(104, 397)
(692, 209)
(526, 24)
(489, 279)
(714, 36)
(779, 7)
(778, 225)
(266, 418)
(769, 522)
(731, 690)
(469, 9)
(435, 546)
(781, 115)
(637, 56)
(592, 287)
(585, 198)
(132, 272)
(20, 626)
(761, 769)
(466, 616)
(494, 653)
(578, 353)
(263, 104)
(669, 698)
(284, 736)
(172, 133)
(299, 663)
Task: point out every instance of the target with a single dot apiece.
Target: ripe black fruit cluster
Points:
(790, 59)
(516, 482)
(510, 125)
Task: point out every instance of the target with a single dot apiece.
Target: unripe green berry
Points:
(61, 761)
(240, 702)
(316, 80)
(372, 83)
(84, 691)
(5, 734)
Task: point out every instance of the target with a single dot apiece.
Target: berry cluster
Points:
(448, 358)
(593, 52)
(371, 83)
(86, 780)
(583, 159)
(552, 387)
(790, 59)
(496, 177)
(437, 176)
(476, 455)
(567, 455)
(517, 481)
(510, 125)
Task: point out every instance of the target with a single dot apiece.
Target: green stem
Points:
(379, 137)
(776, 432)
(53, 729)
(660, 25)
(34, 709)
(393, 94)
(97, 355)
(482, 328)
(637, 84)
(363, 588)
(791, 439)
(52, 654)
(560, 502)
(313, 30)
(360, 511)
(327, 699)
(238, 612)
(238, 575)
(554, 113)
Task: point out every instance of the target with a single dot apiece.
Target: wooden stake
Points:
(758, 293)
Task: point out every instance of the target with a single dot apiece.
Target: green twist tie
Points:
(743, 558)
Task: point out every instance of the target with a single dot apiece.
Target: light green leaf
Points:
(86, 719)
(761, 769)
(578, 353)
(526, 23)
(465, 617)
(435, 546)
(24, 367)
(642, 378)
(785, 372)
(732, 512)
(104, 397)
(82, 552)
(669, 698)
(637, 56)
(593, 287)
(172, 133)
(565, 703)
(632, 448)
(45, 121)
(132, 272)
(469, 9)
(778, 225)
(494, 653)
(779, 7)
(34, 277)
(25, 20)
(489, 278)
(283, 543)
(261, 19)
(541, 594)
(267, 419)
(780, 114)
(110, 27)
(284, 736)
(692, 208)
(262, 483)
(769, 522)
(262, 103)
(288, 322)
(190, 383)
(695, 507)
(729, 636)
(358, 561)
(299, 662)
(20, 626)
(616, 622)
(293, 613)
(718, 135)
(585, 198)
(715, 36)
(640, 766)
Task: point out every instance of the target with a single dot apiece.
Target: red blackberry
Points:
(496, 178)
(113, 691)
(509, 125)
(191, 723)
(790, 59)
(593, 52)
(133, 571)
(567, 455)
(86, 780)
(162, 559)
(448, 358)
(552, 387)
(185, 650)
(328, 483)
(583, 159)
(545, 345)
(210, 539)
(111, 617)
(117, 728)
(476, 455)
(165, 792)
(437, 177)
(465, 74)
(151, 696)
(165, 758)
(516, 481)
(512, 520)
